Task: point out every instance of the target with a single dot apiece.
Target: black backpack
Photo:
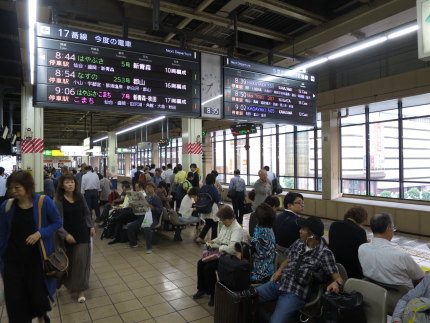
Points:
(204, 203)
(344, 307)
(276, 187)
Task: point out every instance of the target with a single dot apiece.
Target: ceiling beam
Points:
(346, 24)
(135, 33)
(211, 18)
(202, 6)
(289, 10)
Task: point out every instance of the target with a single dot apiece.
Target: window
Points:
(121, 164)
(274, 146)
(386, 155)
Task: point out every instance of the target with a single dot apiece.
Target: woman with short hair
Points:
(230, 233)
(345, 237)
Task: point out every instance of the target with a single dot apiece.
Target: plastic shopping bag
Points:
(147, 221)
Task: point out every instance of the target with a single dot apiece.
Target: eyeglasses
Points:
(394, 228)
(301, 203)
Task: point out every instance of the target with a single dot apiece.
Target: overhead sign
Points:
(78, 69)
(164, 142)
(125, 150)
(243, 129)
(257, 92)
(87, 144)
(423, 17)
(144, 145)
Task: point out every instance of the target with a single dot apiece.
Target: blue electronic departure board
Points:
(89, 71)
(257, 92)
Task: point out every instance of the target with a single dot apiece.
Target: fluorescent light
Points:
(402, 32)
(32, 18)
(315, 62)
(212, 99)
(140, 125)
(356, 48)
(100, 139)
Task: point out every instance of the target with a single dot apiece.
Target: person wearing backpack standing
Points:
(210, 218)
(237, 187)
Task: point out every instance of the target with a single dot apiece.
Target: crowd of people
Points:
(286, 247)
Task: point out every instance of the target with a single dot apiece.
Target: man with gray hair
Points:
(384, 263)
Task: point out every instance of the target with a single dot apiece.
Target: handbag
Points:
(211, 255)
(56, 262)
(344, 307)
(231, 194)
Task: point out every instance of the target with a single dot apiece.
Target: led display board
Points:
(243, 129)
(90, 71)
(257, 92)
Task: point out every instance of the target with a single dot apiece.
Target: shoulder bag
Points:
(57, 262)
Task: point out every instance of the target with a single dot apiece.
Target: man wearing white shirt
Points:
(167, 174)
(384, 263)
(2, 184)
(132, 172)
(90, 187)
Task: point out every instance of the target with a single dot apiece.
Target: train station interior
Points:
(332, 95)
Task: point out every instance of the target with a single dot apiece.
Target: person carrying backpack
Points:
(208, 200)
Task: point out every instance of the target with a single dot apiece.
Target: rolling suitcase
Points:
(235, 307)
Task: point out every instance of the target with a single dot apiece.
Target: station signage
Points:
(90, 71)
(257, 92)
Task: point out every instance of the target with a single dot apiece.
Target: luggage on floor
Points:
(235, 307)
(234, 273)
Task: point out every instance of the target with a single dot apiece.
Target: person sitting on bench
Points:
(291, 283)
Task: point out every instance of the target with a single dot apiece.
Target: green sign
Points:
(47, 152)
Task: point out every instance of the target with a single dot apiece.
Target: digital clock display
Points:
(258, 92)
(84, 70)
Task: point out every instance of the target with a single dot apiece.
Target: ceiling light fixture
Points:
(140, 125)
(32, 18)
(403, 31)
(358, 47)
(315, 62)
(100, 139)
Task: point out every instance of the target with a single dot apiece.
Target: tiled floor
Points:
(128, 285)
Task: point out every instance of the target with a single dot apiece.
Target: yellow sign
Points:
(57, 153)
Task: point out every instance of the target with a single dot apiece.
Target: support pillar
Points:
(192, 143)
(330, 156)
(32, 126)
(112, 160)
